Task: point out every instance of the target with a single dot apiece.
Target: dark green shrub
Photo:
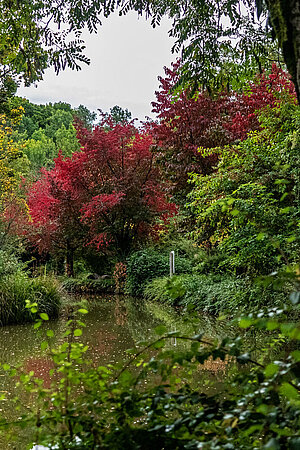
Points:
(145, 265)
(15, 290)
(211, 263)
(142, 267)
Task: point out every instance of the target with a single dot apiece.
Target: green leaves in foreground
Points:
(198, 393)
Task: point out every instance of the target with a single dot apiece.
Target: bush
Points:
(74, 285)
(145, 265)
(9, 263)
(15, 290)
(213, 293)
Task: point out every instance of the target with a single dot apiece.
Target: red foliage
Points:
(204, 121)
(267, 90)
(109, 194)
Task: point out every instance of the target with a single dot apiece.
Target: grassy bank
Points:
(213, 293)
(85, 286)
(16, 289)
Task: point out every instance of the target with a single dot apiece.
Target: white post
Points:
(172, 263)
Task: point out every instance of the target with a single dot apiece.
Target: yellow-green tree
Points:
(13, 165)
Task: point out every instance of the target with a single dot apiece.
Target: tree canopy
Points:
(211, 34)
(35, 35)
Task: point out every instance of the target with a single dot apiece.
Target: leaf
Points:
(283, 196)
(83, 311)
(285, 210)
(272, 444)
(126, 377)
(78, 332)
(50, 333)
(296, 355)
(271, 370)
(291, 239)
(245, 323)
(160, 330)
(288, 391)
(44, 316)
(37, 324)
(44, 345)
(158, 344)
(272, 325)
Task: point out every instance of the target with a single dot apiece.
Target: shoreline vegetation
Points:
(195, 286)
(17, 289)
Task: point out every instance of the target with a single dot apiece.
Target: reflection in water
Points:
(121, 312)
(41, 368)
(113, 324)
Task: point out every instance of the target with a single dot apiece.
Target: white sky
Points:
(127, 55)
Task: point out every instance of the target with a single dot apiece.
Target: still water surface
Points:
(113, 325)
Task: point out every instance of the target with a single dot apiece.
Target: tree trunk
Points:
(70, 261)
(285, 20)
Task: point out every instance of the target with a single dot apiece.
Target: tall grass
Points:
(17, 288)
(212, 293)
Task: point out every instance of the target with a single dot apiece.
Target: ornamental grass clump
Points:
(16, 290)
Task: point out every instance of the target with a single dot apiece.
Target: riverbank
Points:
(89, 286)
(197, 284)
(213, 293)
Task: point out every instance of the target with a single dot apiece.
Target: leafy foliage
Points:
(17, 289)
(192, 121)
(84, 116)
(36, 35)
(116, 115)
(147, 264)
(13, 165)
(84, 286)
(107, 196)
(213, 293)
(249, 207)
(157, 399)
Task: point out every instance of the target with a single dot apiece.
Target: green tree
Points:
(84, 116)
(59, 118)
(66, 140)
(249, 207)
(119, 115)
(40, 151)
(35, 35)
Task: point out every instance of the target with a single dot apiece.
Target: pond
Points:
(113, 325)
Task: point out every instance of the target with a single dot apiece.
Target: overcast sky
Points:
(127, 55)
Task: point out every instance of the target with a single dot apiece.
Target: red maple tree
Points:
(107, 196)
(202, 120)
